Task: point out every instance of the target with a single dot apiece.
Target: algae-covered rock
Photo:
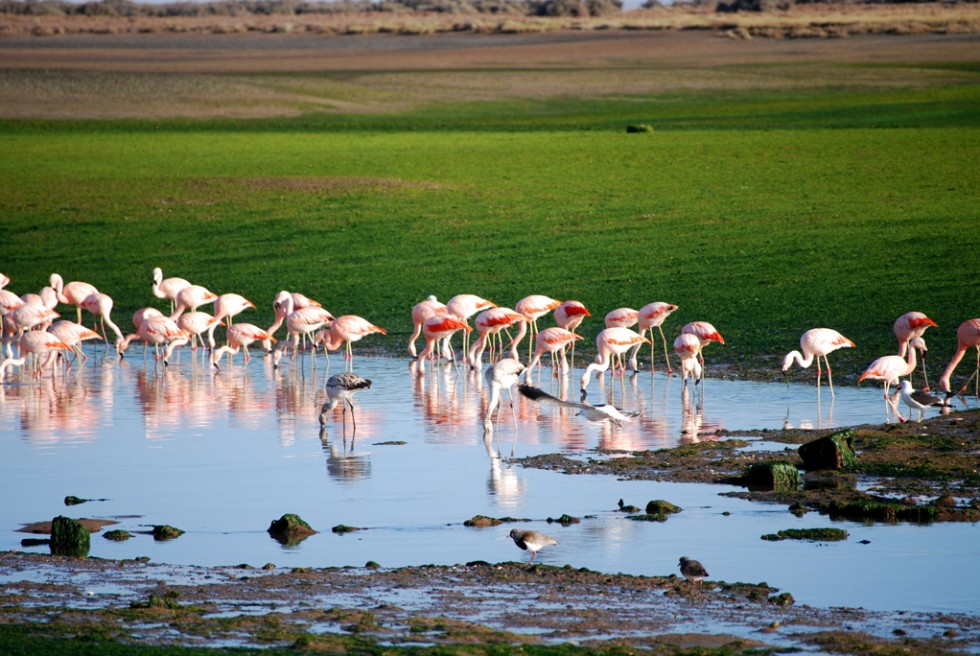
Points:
(661, 507)
(72, 500)
(118, 535)
(69, 538)
(165, 532)
(340, 529)
(829, 452)
(290, 529)
(482, 521)
(564, 520)
(812, 534)
(773, 476)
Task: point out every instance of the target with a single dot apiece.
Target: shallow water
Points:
(222, 455)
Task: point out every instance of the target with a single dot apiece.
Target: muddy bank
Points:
(463, 606)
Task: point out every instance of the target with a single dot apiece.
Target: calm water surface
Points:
(222, 455)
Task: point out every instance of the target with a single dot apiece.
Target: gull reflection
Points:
(342, 464)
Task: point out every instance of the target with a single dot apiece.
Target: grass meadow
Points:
(765, 213)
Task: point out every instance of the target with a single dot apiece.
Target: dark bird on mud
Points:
(601, 412)
(531, 541)
(692, 570)
(341, 389)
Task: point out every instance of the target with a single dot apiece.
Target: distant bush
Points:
(574, 8)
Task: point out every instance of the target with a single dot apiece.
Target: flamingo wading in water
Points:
(341, 388)
(610, 342)
(967, 335)
(909, 326)
(817, 343)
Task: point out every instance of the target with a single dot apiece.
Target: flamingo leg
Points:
(830, 378)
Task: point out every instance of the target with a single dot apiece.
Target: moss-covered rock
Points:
(69, 538)
(812, 534)
(482, 521)
(290, 529)
(829, 452)
(564, 520)
(117, 535)
(340, 529)
(164, 532)
(661, 507)
(773, 476)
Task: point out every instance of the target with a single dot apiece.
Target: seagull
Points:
(531, 541)
(693, 570)
(341, 388)
(919, 399)
(601, 412)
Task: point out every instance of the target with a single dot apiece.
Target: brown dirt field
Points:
(199, 75)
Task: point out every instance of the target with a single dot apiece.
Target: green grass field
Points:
(763, 213)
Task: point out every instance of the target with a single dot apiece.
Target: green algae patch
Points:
(69, 538)
(564, 520)
(829, 452)
(117, 535)
(340, 529)
(661, 507)
(811, 534)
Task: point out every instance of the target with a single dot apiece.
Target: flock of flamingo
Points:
(31, 322)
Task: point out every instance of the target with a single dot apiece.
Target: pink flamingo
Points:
(345, 330)
(609, 343)
(46, 298)
(240, 336)
(167, 288)
(464, 306)
(967, 335)
(9, 301)
(159, 331)
(909, 326)
(421, 311)
(489, 323)
(653, 315)
(100, 305)
(299, 302)
(569, 315)
(623, 317)
(195, 324)
(301, 322)
(73, 334)
(688, 348)
(438, 328)
(227, 306)
(30, 316)
(889, 368)
(74, 293)
(39, 344)
(706, 333)
(4, 281)
(817, 343)
(191, 298)
(552, 340)
(533, 307)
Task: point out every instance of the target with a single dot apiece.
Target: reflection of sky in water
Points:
(222, 455)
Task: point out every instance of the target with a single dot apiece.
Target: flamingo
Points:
(345, 330)
(706, 333)
(918, 399)
(227, 306)
(434, 329)
(890, 368)
(37, 343)
(303, 321)
(46, 298)
(191, 298)
(74, 293)
(100, 305)
(421, 311)
(167, 288)
(552, 340)
(163, 330)
(967, 335)
(610, 342)
(623, 317)
(488, 323)
(4, 281)
(299, 302)
(240, 336)
(501, 375)
(73, 334)
(464, 306)
(688, 348)
(533, 307)
(9, 302)
(597, 413)
(817, 343)
(195, 324)
(341, 388)
(569, 315)
(909, 326)
(29, 316)
(653, 315)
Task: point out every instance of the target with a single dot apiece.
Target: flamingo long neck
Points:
(494, 400)
(960, 352)
(911, 361)
(796, 356)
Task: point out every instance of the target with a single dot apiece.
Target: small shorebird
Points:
(601, 412)
(693, 570)
(919, 399)
(531, 541)
(341, 389)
